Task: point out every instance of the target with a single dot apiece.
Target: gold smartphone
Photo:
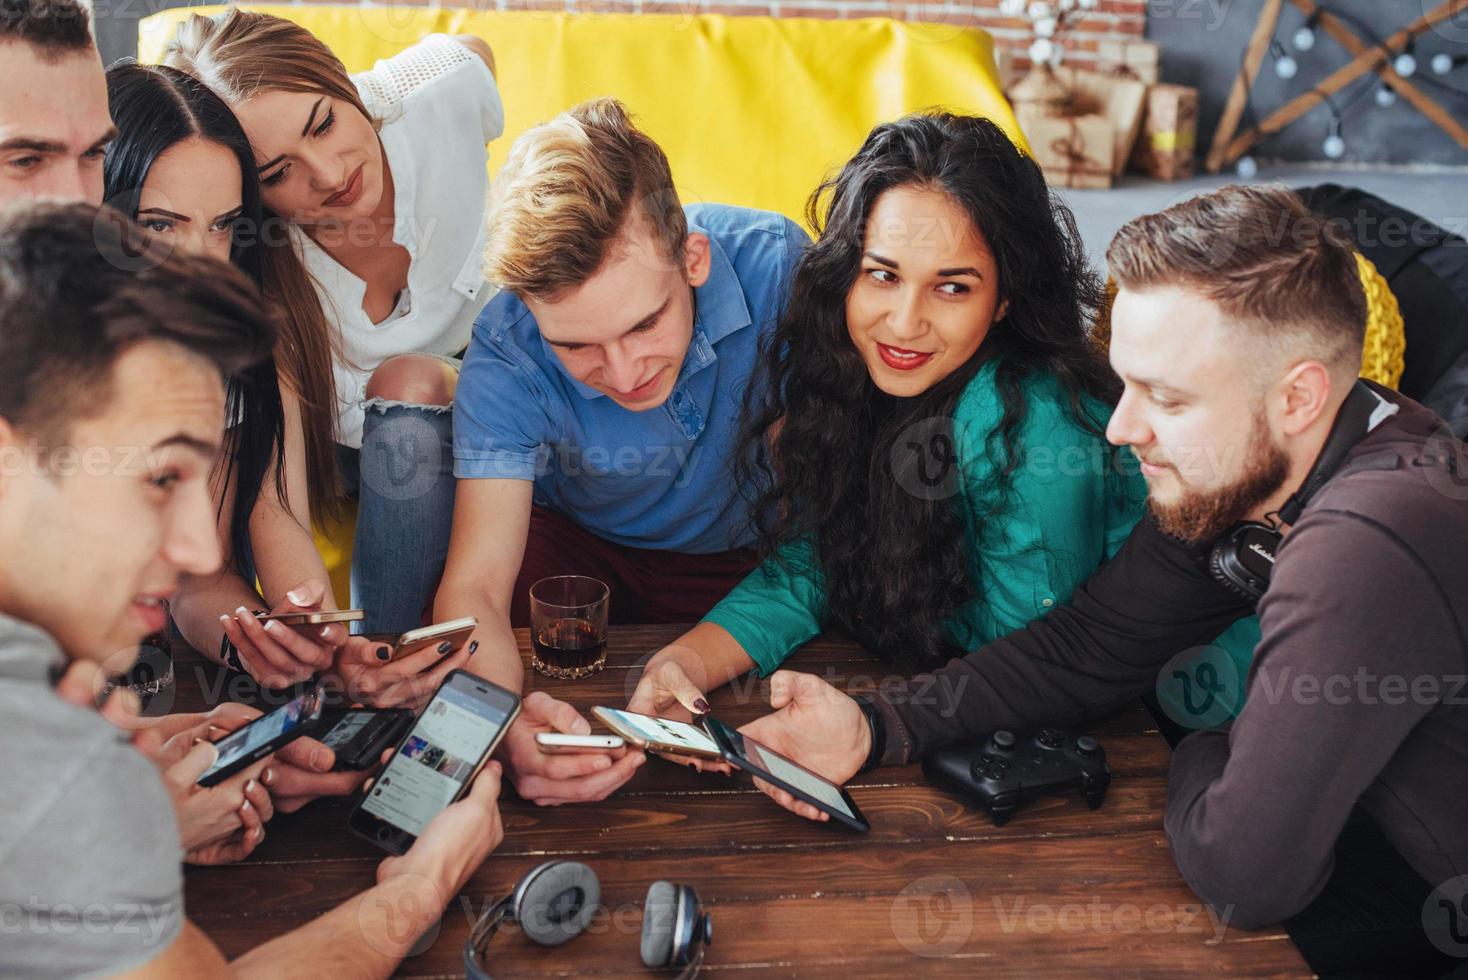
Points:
(659, 734)
(448, 637)
(315, 618)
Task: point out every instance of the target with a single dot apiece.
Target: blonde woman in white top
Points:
(382, 178)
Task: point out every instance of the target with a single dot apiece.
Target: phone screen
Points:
(663, 731)
(439, 755)
(761, 760)
(297, 714)
(798, 776)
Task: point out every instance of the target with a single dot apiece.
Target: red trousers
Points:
(647, 585)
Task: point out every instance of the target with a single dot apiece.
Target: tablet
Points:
(658, 734)
(745, 753)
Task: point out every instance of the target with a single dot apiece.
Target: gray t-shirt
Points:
(90, 881)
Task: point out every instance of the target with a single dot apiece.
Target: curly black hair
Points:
(817, 447)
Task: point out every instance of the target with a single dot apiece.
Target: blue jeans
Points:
(404, 481)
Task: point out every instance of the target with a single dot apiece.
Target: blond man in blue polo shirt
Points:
(598, 410)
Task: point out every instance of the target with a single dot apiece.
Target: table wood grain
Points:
(934, 889)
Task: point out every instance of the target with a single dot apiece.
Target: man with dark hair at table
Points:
(54, 123)
(113, 358)
(1238, 333)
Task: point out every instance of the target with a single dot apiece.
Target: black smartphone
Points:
(264, 735)
(359, 735)
(436, 761)
(745, 753)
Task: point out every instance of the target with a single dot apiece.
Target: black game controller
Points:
(1010, 767)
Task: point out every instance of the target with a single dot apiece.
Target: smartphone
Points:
(552, 743)
(745, 753)
(448, 637)
(658, 734)
(436, 760)
(315, 618)
(264, 735)
(358, 736)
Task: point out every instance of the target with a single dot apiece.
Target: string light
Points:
(1285, 66)
(1304, 39)
(1386, 96)
(1446, 64)
(1405, 64)
(1334, 146)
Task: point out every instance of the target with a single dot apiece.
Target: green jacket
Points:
(1071, 503)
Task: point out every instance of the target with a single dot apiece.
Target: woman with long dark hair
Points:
(927, 441)
(182, 167)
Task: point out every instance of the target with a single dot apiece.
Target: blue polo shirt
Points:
(656, 479)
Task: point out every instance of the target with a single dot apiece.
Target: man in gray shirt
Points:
(113, 356)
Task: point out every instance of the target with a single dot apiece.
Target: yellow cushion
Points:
(753, 111)
(1383, 356)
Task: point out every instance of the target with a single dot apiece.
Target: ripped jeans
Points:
(403, 478)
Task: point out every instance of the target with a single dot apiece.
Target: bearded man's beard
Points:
(1199, 516)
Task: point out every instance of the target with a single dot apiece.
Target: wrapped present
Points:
(1167, 145)
(1140, 61)
(1074, 151)
(1041, 93)
(1120, 100)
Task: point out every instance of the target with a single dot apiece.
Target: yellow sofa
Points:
(754, 111)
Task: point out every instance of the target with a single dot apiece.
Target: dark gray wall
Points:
(116, 25)
(1203, 44)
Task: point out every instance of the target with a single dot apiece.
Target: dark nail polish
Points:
(473, 646)
(445, 647)
(702, 706)
(384, 654)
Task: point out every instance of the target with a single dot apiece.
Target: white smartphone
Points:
(659, 734)
(555, 743)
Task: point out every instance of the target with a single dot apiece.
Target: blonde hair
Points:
(565, 195)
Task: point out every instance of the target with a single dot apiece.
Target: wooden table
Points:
(935, 888)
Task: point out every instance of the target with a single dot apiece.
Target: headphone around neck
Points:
(1242, 559)
(556, 901)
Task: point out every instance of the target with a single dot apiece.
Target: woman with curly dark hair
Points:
(927, 440)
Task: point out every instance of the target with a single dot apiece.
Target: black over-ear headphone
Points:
(556, 901)
(1243, 558)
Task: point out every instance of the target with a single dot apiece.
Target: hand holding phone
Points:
(263, 736)
(434, 764)
(391, 675)
(281, 647)
(774, 769)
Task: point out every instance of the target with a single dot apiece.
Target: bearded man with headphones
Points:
(1275, 478)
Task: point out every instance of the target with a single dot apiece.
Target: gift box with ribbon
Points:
(1074, 151)
(1168, 143)
(1118, 100)
(1138, 60)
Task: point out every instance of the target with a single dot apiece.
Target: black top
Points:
(1358, 690)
